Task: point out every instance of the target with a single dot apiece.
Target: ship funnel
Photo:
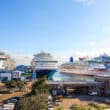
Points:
(71, 59)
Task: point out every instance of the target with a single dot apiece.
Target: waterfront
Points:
(57, 76)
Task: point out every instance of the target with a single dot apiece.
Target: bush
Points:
(60, 108)
(87, 107)
(14, 84)
(37, 102)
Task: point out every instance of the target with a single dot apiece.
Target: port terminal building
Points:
(101, 85)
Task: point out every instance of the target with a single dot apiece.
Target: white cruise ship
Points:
(76, 68)
(44, 64)
(84, 67)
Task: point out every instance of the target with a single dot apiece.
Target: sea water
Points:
(57, 76)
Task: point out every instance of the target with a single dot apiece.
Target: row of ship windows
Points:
(47, 66)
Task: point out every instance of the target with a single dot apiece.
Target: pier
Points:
(74, 83)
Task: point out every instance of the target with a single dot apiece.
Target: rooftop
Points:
(2, 57)
(105, 75)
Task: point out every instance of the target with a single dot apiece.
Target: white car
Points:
(1, 108)
(6, 108)
(107, 101)
(57, 102)
(50, 107)
(93, 93)
(49, 97)
(9, 106)
(50, 102)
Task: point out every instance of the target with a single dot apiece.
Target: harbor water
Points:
(57, 76)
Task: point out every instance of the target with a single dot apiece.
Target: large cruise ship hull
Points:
(44, 72)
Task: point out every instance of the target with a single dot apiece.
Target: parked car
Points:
(7, 101)
(6, 108)
(12, 100)
(1, 108)
(49, 98)
(11, 103)
(57, 102)
(9, 106)
(107, 101)
(93, 93)
(50, 102)
(50, 107)
(16, 98)
(69, 96)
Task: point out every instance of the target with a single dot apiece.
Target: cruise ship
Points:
(84, 67)
(79, 68)
(105, 59)
(45, 64)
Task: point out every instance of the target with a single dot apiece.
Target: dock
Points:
(74, 83)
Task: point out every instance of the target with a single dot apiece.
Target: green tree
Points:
(14, 83)
(20, 84)
(10, 85)
(5, 80)
(39, 98)
(40, 87)
(37, 102)
(60, 108)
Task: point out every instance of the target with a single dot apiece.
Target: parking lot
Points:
(10, 100)
(8, 95)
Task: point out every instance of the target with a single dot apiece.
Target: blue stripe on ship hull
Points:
(41, 73)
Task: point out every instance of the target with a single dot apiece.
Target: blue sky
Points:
(57, 26)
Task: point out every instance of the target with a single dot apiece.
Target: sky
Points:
(60, 27)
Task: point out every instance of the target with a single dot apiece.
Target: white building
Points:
(5, 74)
(2, 60)
(16, 74)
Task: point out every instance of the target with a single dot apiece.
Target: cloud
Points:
(19, 56)
(106, 29)
(86, 2)
(92, 43)
(22, 59)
